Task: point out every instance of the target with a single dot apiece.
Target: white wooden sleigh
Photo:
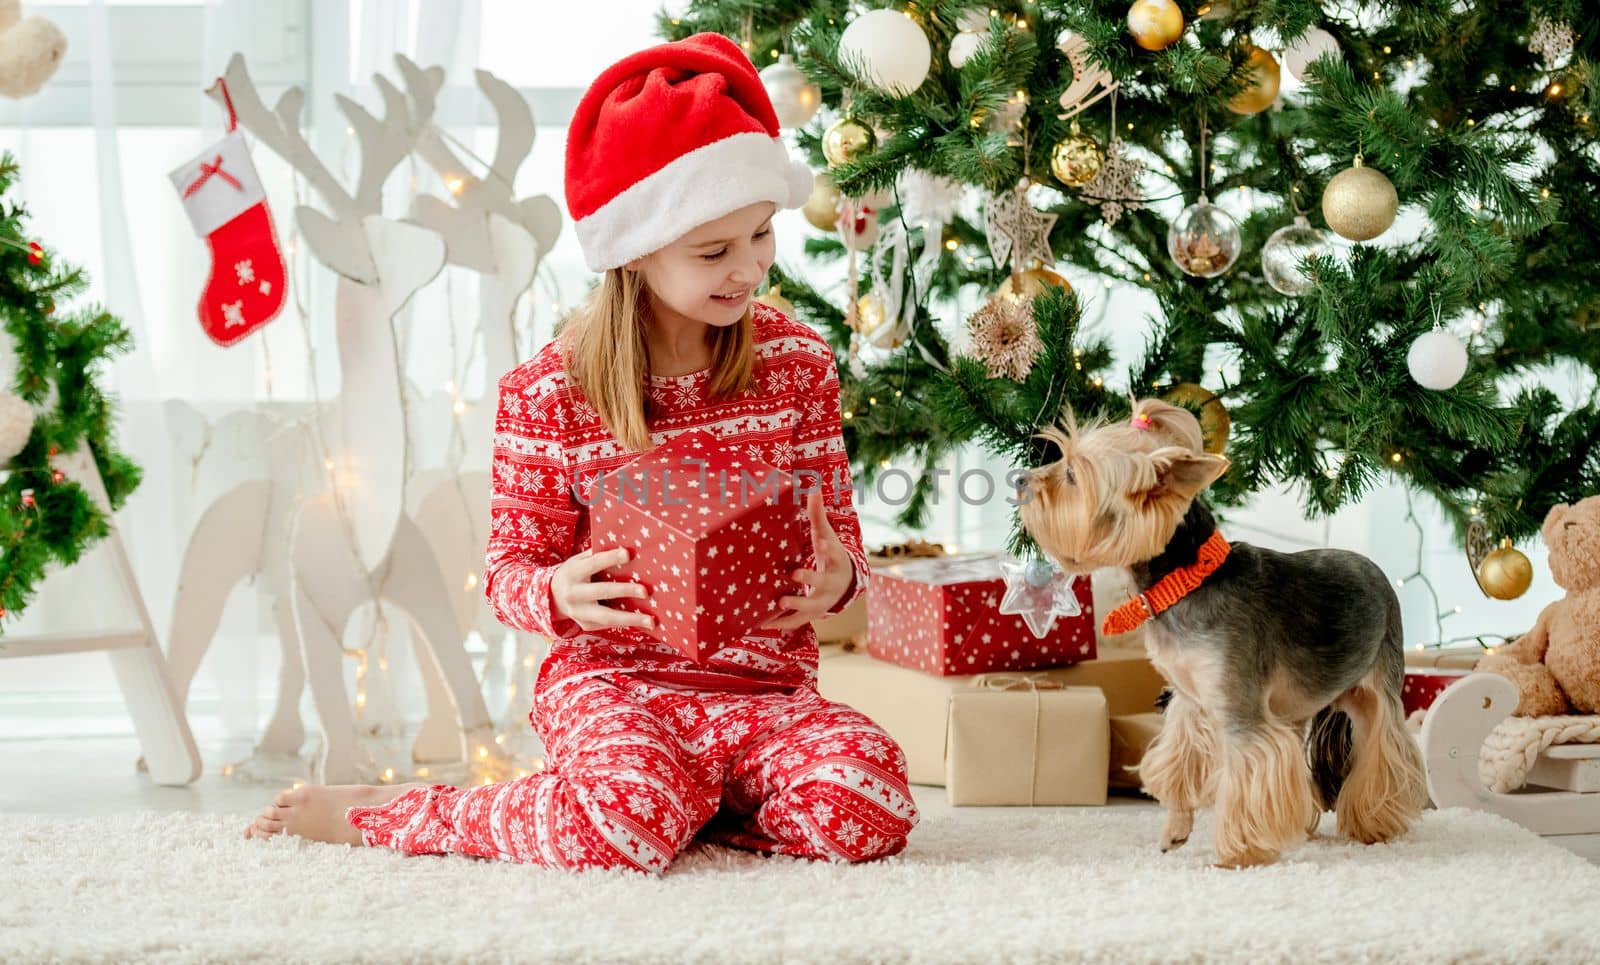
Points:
(1454, 731)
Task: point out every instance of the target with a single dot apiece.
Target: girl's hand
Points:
(578, 599)
(828, 582)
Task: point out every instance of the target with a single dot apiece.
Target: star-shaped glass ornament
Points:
(1017, 231)
(1038, 592)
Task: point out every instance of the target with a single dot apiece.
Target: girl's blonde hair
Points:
(604, 352)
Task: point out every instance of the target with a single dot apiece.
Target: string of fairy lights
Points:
(486, 758)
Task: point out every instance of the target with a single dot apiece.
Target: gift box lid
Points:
(694, 484)
(946, 570)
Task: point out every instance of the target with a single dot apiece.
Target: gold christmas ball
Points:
(1360, 203)
(869, 314)
(1208, 408)
(1259, 96)
(822, 208)
(1505, 573)
(874, 324)
(1033, 281)
(847, 139)
(1077, 159)
(1155, 24)
(773, 297)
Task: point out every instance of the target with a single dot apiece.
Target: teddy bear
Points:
(1556, 665)
(30, 50)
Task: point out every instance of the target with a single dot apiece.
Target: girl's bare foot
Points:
(316, 811)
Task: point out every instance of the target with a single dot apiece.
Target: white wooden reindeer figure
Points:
(351, 544)
(502, 238)
(247, 470)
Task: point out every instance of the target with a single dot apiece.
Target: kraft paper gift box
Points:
(942, 616)
(714, 533)
(850, 623)
(912, 706)
(1023, 740)
(1130, 735)
(1445, 658)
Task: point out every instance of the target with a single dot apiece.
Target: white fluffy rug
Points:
(976, 885)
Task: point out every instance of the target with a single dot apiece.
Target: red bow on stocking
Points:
(207, 171)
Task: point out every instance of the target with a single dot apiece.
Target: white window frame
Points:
(159, 66)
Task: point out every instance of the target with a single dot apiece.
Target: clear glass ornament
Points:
(1038, 591)
(795, 98)
(1286, 250)
(1204, 240)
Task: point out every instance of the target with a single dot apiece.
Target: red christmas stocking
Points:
(225, 202)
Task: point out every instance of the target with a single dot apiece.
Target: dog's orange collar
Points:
(1170, 589)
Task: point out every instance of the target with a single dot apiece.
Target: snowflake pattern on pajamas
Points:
(550, 449)
(783, 772)
(647, 750)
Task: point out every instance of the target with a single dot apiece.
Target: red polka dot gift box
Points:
(942, 616)
(1423, 686)
(714, 534)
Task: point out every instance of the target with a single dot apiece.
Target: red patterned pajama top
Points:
(548, 438)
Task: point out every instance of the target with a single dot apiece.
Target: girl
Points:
(674, 170)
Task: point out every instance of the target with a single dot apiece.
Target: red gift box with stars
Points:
(715, 535)
(942, 616)
(1422, 687)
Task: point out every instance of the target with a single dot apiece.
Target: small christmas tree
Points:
(1426, 358)
(51, 406)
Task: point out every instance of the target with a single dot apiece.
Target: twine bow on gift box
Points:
(944, 570)
(1033, 683)
(911, 550)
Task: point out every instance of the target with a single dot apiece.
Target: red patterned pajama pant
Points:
(635, 770)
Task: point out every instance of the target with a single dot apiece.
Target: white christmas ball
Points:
(1306, 48)
(1437, 360)
(16, 425)
(962, 47)
(892, 48)
(974, 30)
(794, 97)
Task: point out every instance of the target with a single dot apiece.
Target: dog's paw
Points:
(1254, 858)
(1176, 831)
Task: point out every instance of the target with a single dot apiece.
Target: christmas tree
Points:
(1082, 129)
(51, 406)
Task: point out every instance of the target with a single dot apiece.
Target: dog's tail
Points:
(1330, 743)
(1328, 750)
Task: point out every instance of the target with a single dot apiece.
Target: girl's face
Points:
(711, 273)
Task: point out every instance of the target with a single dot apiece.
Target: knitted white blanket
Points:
(1516, 743)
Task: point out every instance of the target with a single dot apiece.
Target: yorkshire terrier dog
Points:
(1285, 668)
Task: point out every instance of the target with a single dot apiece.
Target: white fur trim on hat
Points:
(694, 188)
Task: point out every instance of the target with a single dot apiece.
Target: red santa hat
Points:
(668, 139)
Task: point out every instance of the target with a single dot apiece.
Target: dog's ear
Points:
(1181, 473)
